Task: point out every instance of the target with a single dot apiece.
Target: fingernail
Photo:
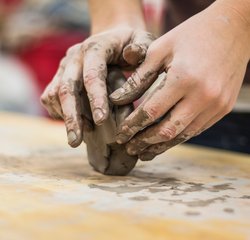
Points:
(71, 137)
(131, 151)
(117, 94)
(98, 116)
(147, 156)
(121, 138)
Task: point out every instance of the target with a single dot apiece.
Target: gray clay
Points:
(104, 154)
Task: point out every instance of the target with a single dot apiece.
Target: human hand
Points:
(204, 60)
(85, 68)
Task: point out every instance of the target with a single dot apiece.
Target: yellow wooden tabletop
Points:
(48, 191)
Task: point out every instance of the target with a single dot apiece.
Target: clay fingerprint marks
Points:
(104, 154)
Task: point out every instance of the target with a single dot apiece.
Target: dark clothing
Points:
(231, 133)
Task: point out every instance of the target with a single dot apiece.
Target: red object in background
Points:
(44, 56)
(10, 1)
(9, 6)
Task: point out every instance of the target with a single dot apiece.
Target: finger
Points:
(136, 84)
(96, 58)
(144, 75)
(70, 98)
(212, 114)
(154, 150)
(200, 124)
(135, 52)
(164, 96)
(175, 122)
(49, 98)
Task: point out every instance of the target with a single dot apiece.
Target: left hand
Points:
(205, 59)
(83, 71)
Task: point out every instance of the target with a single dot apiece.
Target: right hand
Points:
(85, 67)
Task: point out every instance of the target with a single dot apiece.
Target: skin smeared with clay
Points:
(203, 61)
(85, 66)
(104, 154)
(139, 127)
(121, 47)
(200, 79)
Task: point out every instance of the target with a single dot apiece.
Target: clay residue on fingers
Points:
(142, 117)
(159, 148)
(74, 121)
(147, 137)
(49, 98)
(134, 54)
(133, 123)
(91, 45)
(99, 105)
(133, 89)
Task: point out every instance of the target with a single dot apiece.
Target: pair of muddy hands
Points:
(202, 61)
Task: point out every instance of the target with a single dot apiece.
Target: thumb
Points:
(135, 52)
(137, 83)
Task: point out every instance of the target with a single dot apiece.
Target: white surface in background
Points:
(18, 91)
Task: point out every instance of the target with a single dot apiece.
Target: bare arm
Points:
(111, 13)
(240, 7)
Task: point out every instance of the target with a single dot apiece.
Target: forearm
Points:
(234, 16)
(240, 7)
(111, 13)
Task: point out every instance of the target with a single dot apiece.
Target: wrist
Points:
(118, 23)
(236, 16)
(113, 14)
(239, 9)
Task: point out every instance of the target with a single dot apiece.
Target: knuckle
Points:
(139, 143)
(62, 62)
(89, 76)
(155, 51)
(187, 75)
(153, 48)
(167, 133)
(90, 44)
(194, 131)
(70, 50)
(51, 95)
(227, 107)
(221, 103)
(44, 99)
(131, 82)
(48, 97)
(152, 112)
(73, 49)
(69, 121)
(216, 95)
(212, 93)
(183, 75)
(63, 90)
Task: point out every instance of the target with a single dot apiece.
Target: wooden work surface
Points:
(48, 191)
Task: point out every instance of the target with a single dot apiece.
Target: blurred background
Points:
(34, 36)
